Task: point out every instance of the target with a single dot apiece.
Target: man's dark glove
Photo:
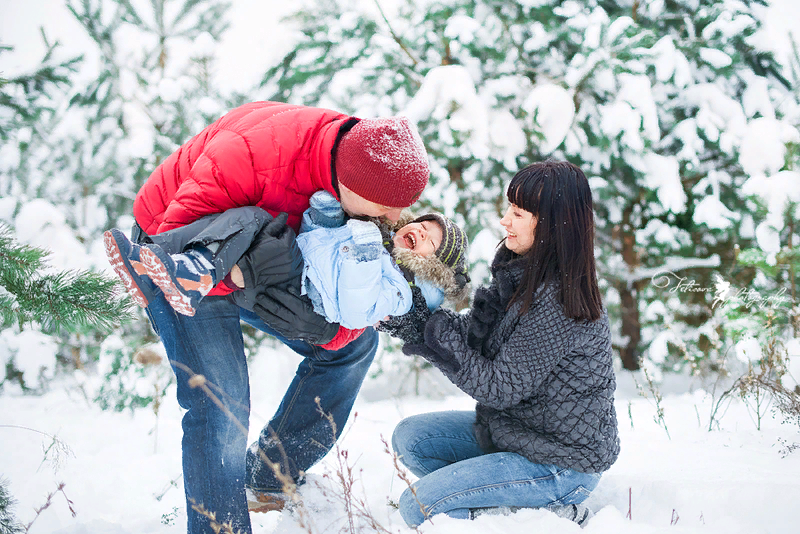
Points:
(411, 326)
(272, 259)
(292, 315)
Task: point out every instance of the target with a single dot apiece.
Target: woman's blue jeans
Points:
(216, 462)
(456, 476)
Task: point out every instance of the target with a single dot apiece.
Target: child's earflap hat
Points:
(447, 268)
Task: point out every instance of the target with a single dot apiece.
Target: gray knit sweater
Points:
(544, 382)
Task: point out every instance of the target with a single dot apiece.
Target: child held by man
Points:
(356, 272)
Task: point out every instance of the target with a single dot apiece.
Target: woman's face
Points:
(520, 226)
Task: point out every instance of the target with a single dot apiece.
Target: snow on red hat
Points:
(384, 161)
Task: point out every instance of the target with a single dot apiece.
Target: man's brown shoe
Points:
(265, 502)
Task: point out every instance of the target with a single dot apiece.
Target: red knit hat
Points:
(384, 161)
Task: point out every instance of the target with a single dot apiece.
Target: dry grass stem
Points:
(59, 449)
(216, 526)
(48, 502)
(401, 474)
(147, 356)
(357, 509)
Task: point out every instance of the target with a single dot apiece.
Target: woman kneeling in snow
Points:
(535, 352)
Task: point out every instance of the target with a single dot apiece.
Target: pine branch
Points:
(18, 258)
(67, 300)
(26, 96)
(396, 37)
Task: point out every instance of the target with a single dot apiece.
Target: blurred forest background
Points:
(682, 116)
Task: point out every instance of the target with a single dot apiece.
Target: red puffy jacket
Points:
(265, 154)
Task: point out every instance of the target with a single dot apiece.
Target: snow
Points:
(633, 113)
(120, 474)
(41, 224)
(756, 97)
(716, 58)
(720, 116)
(769, 240)
(462, 28)
(663, 176)
(711, 211)
(449, 98)
(665, 275)
(204, 45)
(553, 109)
(776, 191)
(671, 63)
(32, 354)
(780, 24)
(7, 207)
(748, 350)
(507, 137)
(763, 149)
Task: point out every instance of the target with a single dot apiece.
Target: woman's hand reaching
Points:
(411, 326)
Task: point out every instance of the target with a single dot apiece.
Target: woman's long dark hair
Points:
(557, 193)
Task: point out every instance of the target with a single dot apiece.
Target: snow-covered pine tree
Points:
(87, 151)
(774, 259)
(29, 102)
(152, 92)
(654, 100)
(8, 523)
(57, 301)
(375, 63)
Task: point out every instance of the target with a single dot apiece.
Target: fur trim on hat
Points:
(432, 269)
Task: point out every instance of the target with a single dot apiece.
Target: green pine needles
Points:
(8, 523)
(58, 301)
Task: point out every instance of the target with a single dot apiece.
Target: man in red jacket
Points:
(274, 156)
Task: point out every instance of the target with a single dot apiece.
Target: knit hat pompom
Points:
(384, 161)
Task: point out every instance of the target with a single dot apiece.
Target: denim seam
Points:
(429, 510)
(283, 422)
(421, 440)
(413, 448)
(315, 351)
(579, 488)
(294, 398)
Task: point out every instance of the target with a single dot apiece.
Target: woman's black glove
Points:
(411, 326)
(432, 349)
(488, 305)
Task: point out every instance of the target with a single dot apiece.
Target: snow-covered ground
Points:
(735, 479)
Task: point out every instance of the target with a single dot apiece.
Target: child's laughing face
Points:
(423, 238)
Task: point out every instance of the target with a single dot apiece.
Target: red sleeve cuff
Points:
(228, 281)
(342, 338)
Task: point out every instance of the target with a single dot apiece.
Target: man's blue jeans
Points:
(216, 463)
(456, 476)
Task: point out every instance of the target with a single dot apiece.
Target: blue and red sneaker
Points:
(184, 278)
(124, 258)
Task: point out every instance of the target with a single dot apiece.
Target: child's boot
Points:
(184, 278)
(124, 257)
